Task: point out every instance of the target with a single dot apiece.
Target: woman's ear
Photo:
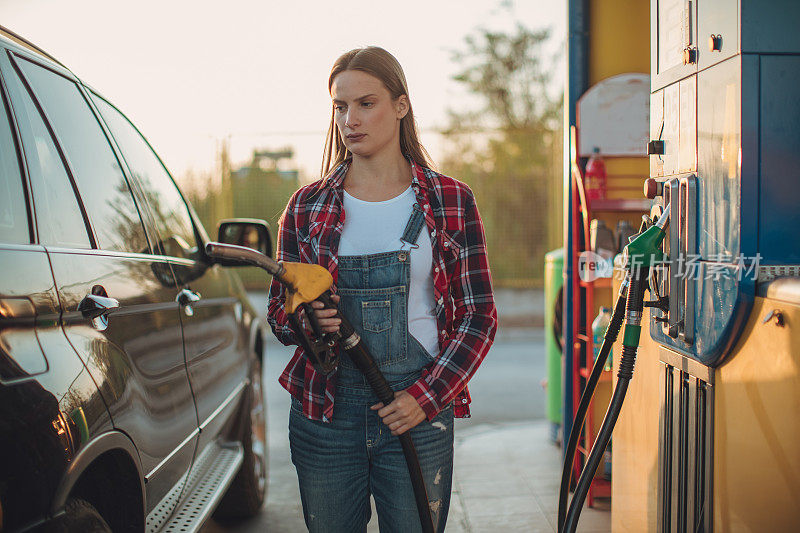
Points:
(402, 106)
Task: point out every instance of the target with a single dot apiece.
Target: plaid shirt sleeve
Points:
(287, 250)
(474, 318)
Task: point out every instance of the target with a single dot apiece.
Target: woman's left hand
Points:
(402, 414)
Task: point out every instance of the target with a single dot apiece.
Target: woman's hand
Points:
(402, 414)
(325, 317)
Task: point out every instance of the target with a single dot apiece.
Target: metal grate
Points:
(161, 513)
(686, 451)
(219, 466)
(770, 272)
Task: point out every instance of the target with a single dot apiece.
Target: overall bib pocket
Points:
(376, 315)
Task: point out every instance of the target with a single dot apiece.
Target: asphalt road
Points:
(506, 389)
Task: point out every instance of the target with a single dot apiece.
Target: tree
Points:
(508, 147)
(249, 191)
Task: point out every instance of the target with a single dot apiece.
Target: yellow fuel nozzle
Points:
(304, 283)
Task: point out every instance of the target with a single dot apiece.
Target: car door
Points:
(217, 343)
(50, 407)
(28, 302)
(117, 299)
(27, 291)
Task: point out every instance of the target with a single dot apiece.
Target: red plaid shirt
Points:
(309, 232)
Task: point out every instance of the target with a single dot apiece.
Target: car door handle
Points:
(186, 298)
(94, 306)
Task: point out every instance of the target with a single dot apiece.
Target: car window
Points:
(59, 219)
(14, 227)
(169, 210)
(97, 172)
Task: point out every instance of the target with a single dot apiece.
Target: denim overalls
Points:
(339, 464)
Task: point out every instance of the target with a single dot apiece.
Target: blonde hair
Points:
(379, 63)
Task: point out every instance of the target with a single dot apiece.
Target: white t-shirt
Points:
(376, 227)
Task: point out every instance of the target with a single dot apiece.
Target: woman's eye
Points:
(368, 104)
(339, 108)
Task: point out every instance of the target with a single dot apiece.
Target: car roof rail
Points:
(22, 41)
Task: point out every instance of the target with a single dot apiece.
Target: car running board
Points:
(209, 478)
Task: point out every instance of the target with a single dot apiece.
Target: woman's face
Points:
(366, 116)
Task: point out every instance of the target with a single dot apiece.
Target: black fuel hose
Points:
(633, 311)
(361, 358)
(610, 337)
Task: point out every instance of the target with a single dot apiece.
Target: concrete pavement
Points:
(507, 478)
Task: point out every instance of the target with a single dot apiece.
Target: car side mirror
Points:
(176, 246)
(249, 232)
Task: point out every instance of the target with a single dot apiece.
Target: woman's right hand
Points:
(326, 317)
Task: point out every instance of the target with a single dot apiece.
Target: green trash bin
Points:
(553, 282)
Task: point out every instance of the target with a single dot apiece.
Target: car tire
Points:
(81, 515)
(246, 495)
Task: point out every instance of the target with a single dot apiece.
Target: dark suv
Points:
(130, 381)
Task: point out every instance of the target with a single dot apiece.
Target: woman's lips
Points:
(355, 137)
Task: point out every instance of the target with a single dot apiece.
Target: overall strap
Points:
(414, 226)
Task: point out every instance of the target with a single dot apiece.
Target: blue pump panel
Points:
(779, 220)
(768, 26)
(718, 165)
(723, 297)
(747, 167)
(716, 231)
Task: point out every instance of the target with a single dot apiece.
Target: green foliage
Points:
(509, 74)
(259, 193)
(508, 148)
(248, 192)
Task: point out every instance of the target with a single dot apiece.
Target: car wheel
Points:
(248, 490)
(81, 515)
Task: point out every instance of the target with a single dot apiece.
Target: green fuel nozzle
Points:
(645, 250)
(641, 254)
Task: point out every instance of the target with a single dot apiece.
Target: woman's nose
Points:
(351, 119)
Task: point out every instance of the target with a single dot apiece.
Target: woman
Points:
(405, 246)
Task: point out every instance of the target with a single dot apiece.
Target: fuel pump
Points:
(708, 440)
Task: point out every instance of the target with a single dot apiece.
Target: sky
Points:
(192, 74)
